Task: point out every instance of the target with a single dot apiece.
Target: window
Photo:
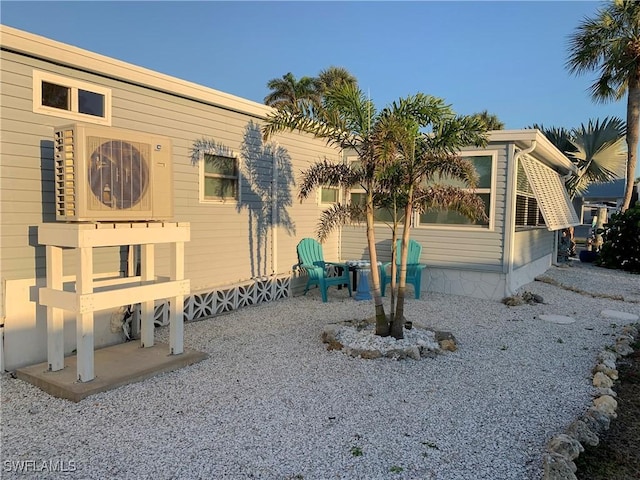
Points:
(69, 98)
(527, 212)
(329, 195)
(484, 165)
(219, 177)
(379, 214)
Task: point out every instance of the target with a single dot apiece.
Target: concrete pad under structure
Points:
(115, 366)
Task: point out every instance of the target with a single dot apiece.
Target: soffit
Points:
(552, 196)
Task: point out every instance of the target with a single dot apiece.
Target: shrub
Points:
(621, 241)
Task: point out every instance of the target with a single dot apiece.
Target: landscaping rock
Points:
(623, 348)
(629, 317)
(604, 391)
(557, 467)
(566, 446)
(612, 373)
(446, 341)
(607, 404)
(597, 420)
(600, 380)
(582, 433)
(607, 357)
(630, 330)
(329, 333)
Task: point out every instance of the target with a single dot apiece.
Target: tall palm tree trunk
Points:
(382, 325)
(398, 320)
(633, 117)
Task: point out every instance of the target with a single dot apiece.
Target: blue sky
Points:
(507, 57)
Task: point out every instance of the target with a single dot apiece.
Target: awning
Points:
(553, 199)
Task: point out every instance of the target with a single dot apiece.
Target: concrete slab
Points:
(114, 367)
(628, 317)
(559, 319)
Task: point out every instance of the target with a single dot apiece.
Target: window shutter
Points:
(552, 196)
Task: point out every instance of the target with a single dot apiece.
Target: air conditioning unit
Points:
(107, 174)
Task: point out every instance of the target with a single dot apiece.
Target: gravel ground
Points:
(271, 402)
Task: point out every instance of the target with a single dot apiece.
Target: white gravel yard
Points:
(271, 402)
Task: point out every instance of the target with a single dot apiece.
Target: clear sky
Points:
(507, 57)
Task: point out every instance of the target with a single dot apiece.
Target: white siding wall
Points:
(225, 246)
(532, 245)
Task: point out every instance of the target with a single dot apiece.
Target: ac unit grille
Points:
(118, 174)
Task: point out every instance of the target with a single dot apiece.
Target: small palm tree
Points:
(420, 138)
(292, 94)
(609, 43)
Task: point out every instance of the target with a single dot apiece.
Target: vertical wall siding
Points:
(230, 242)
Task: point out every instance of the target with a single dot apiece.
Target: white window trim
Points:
(219, 151)
(74, 85)
(319, 195)
(492, 208)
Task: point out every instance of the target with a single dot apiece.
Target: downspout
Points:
(510, 229)
(274, 213)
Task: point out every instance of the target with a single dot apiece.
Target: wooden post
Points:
(55, 316)
(176, 304)
(84, 320)
(148, 308)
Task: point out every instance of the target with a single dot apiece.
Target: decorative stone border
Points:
(564, 448)
(424, 342)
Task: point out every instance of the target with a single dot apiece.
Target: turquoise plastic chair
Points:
(311, 260)
(414, 267)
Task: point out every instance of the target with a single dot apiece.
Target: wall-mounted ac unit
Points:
(108, 174)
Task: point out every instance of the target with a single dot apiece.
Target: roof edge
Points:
(47, 49)
(551, 156)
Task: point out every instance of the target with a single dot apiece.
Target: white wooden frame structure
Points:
(91, 295)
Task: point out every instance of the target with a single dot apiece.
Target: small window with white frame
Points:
(66, 97)
(219, 177)
(329, 195)
(484, 163)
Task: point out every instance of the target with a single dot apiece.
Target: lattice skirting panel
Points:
(225, 299)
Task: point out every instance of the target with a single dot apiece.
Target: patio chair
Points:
(321, 273)
(414, 267)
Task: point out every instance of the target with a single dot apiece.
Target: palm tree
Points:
(289, 93)
(597, 149)
(610, 45)
(334, 77)
(491, 121)
(415, 160)
(346, 120)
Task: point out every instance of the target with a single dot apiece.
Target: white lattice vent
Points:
(207, 304)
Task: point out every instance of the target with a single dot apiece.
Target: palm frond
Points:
(329, 174)
(337, 215)
(450, 166)
(445, 197)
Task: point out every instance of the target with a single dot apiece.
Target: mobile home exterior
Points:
(242, 244)
(237, 193)
(522, 186)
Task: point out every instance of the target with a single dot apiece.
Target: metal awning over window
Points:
(552, 196)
